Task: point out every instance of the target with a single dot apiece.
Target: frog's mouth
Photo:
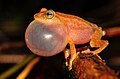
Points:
(43, 40)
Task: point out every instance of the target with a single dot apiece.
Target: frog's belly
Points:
(81, 36)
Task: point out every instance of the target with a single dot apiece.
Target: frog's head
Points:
(47, 16)
(46, 36)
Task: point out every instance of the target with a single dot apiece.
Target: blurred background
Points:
(15, 16)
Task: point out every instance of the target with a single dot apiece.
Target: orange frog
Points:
(51, 31)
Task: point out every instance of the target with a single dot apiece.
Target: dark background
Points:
(15, 15)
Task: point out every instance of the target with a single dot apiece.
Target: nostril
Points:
(45, 40)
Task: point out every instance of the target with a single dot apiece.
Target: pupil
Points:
(49, 14)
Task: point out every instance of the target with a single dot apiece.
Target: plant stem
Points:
(15, 68)
(28, 68)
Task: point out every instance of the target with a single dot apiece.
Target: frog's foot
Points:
(67, 57)
(71, 61)
(89, 51)
(86, 51)
(66, 54)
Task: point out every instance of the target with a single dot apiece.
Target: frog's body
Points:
(78, 29)
(51, 31)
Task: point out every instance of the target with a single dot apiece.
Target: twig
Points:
(89, 66)
(28, 68)
(111, 32)
(10, 45)
(15, 68)
(7, 58)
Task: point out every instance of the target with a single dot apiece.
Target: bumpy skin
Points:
(51, 31)
(78, 29)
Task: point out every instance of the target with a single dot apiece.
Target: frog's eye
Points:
(50, 14)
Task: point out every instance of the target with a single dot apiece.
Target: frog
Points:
(50, 32)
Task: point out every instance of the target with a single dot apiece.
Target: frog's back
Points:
(78, 29)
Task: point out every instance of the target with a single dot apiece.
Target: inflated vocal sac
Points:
(45, 39)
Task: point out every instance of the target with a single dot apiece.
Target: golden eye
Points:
(50, 14)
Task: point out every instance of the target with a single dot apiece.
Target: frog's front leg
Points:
(97, 42)
(70, 53)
